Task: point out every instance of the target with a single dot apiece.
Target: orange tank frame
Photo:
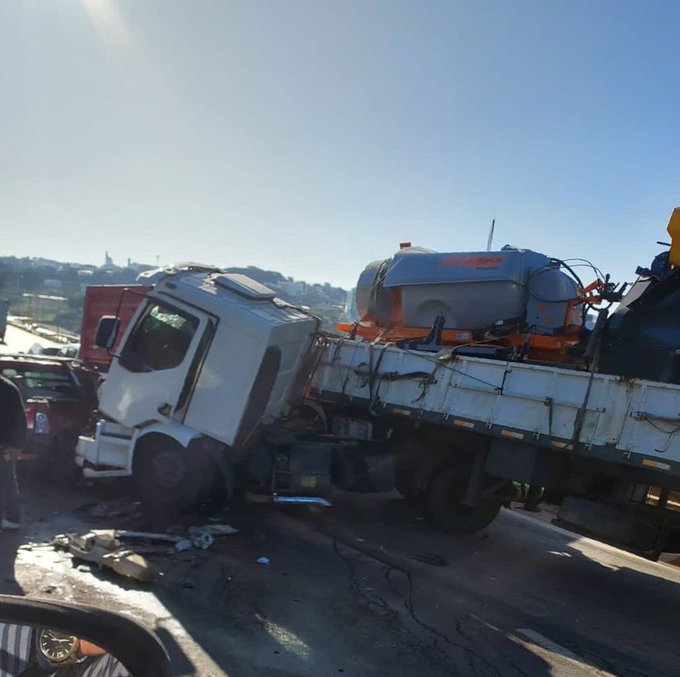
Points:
(540, 347)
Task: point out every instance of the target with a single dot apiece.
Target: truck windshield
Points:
(160, 340)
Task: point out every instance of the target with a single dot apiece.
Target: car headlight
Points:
(42, 424)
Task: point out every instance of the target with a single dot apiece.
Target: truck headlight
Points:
(42, 424)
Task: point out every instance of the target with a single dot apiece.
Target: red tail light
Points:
(29, 408)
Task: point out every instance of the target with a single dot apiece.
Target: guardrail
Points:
(51, 333)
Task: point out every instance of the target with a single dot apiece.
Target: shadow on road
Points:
(613, 610)
(320, 607)
(9, 545)
(369, 588)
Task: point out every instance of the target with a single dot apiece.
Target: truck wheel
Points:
(410, 468)
(166, 473)
(405, 469)
(445, 507)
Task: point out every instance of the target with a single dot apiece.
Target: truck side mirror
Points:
(107, 331)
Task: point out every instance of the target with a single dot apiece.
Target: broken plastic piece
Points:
(106, 538)
(61, 541)
(183, 545)
(202, 541)
(130, 564)
(263, 560)
(101, 547)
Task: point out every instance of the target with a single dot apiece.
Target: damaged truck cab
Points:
(207, 357)
(218, 384)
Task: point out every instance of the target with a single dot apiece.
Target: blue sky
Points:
(313, 136)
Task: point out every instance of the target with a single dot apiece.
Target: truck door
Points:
(145, 382)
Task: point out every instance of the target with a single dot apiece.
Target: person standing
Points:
(12, 440)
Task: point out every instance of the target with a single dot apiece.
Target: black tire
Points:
(412, 461)
(168, 474)
(445, 507)
(405, 476)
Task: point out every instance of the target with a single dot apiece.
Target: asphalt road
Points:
(368, 588)
(20, 341)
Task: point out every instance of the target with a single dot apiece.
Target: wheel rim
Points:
(168, 469)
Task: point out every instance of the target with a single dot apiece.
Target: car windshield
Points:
(41, 380)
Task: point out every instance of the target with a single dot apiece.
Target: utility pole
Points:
(490, 240)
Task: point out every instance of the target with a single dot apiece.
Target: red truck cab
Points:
(111, 299)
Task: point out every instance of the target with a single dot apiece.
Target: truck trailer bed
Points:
(615, 419)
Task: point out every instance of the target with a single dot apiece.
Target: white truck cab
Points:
(208, 356)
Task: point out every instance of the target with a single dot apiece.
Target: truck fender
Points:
(176, 431)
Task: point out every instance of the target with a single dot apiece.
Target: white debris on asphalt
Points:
(183, 545)
(214, 530)
(202, 541)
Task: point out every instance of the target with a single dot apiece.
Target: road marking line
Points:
(539, 640)
(548, 644)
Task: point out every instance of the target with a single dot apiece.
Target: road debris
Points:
(214, 530)
(103, 548)
(147, 536)
(130, 564)
(203, 537)
(183, 545)
(263, 560)
(202, 540)
(111, 548)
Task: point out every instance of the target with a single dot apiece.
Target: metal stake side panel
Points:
(628, 421)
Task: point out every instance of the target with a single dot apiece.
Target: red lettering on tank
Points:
(472, 261)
